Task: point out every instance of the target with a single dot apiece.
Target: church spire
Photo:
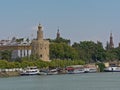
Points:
(111, 41)
(58, 34)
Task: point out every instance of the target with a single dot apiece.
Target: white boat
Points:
(30, 71)
(52, 72)
(112, 69)
(75, 71)
(43, 72)
(90, 70)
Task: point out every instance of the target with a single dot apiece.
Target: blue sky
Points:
(78, 20)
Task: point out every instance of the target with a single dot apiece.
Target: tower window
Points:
(41, 55)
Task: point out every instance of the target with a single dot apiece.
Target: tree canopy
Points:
(66, 54)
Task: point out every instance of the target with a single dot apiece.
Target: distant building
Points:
(14, 45)
(59, 39)
(58, 34)
(111, 41)
(119, 45)
(23, 47)
(4, 42)
(110, 44)
(40, 47)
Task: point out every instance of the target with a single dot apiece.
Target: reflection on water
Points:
(87, 81)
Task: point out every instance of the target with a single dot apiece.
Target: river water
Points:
(86, 81)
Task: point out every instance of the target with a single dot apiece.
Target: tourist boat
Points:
(30, 71)
(49, 72)
(90, 70)
(43, 72)
(112, 69)
(74, 70)
(52, 72)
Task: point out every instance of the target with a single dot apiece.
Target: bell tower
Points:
(58, 34)
(111, 41)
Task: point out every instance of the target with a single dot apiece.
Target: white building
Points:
(17, 53)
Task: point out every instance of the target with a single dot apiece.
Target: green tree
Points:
(99, 54)
(112, 54)
(3, 64)
(90, 51)
(101, 66)
(62, 51)
(60, 40)
(6, 54)
(117, 50)
(20, 40)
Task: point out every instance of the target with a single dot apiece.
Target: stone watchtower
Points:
(40, 47)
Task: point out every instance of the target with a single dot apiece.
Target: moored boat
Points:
(30, 71)
(76, 69)
(112, 69)
(43, 72)
(90, 68)
(52, 72)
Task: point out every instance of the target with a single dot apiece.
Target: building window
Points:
(41, 55)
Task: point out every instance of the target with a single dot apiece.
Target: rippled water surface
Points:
(87, 81)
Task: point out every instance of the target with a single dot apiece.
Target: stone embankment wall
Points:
(10, 72)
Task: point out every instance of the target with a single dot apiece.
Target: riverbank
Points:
(9, 74)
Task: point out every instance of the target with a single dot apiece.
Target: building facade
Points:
(18, 48)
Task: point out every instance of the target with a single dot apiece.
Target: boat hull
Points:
(27, 74)
(112, 69)
(76, 71)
